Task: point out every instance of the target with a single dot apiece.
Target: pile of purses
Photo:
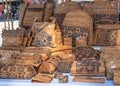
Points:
(44, 47)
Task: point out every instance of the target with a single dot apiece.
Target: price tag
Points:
(113, 66)
(111, 62)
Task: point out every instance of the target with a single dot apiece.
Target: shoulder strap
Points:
(24, 14)
(42, 26)
(43, 15)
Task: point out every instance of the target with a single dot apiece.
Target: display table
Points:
(14, 82)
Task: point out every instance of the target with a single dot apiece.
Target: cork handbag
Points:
(17, 72)
(46, 34)
(28, 12)
(107, 35)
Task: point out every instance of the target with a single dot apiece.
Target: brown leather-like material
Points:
(110, 55)
(42, 78)
(102, 11)
(7, 52)
(12, 37)
(50, 65)
(17, 72)
(64, 8)
(116, 77)
(64, 66)
(89, 79)
(46, 34)
(79, 27)
(88, 62)
(107, 35)
(31, 11)
(42, 53)
(86, 52)
(28, 61)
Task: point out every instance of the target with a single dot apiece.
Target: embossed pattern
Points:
(74, 32)
(17, 72)
(102, 12)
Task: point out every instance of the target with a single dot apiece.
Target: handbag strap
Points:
(43, 15)
(24, 13)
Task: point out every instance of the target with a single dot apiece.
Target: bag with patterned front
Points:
(13, 38)
(63, 9)
(77, 26)
(102, 11)
(46, 34)
(107, 35)
(28, 12)
(17, 72)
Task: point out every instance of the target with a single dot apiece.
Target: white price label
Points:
(111, 62)
(113, 66)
